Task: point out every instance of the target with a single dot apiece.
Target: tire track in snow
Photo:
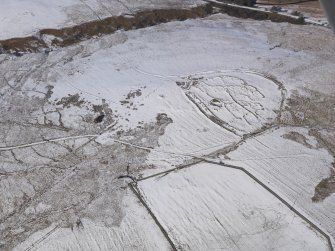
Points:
(137, 193)
(9, 148)
(90, 8)
(274, 193)
(280, 198)
(40, 240)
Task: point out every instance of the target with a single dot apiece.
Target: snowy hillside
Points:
(20, 18)
(214, 133)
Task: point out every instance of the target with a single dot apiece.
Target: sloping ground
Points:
(210, 207)
(293, 163)
(45, 40)
(23, 18)
(136, 231)
(80, 122)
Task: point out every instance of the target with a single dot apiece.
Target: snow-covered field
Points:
(211, 207)
(242, 102)
(293, 166)
(136, 231)
(81, 122)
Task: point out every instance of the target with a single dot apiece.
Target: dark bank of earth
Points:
(72, 35)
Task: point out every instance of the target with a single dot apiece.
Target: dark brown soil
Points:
(134, 94)
(71, 100)
(297, 137)
(26, 44)
(163, 119)
(72, 35)
(325, 188)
